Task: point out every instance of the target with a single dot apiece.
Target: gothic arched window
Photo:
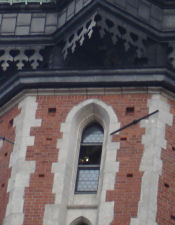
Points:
(89, 159)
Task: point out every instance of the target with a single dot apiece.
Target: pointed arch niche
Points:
(68, 205)
(81, 221)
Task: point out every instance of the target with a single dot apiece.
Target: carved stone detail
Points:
(79, 35)
(117, 29)
(35, 58)
(130, 35)
(5, 58)
(20, 57)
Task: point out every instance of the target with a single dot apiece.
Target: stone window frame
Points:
(89, 199)
(68, 206)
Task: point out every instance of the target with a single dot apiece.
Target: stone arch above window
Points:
(68, 205)
(81, 221)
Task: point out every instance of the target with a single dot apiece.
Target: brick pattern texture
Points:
(166, 194)
(128, 180)
(44, 152)
(52, 110)
(8, 130)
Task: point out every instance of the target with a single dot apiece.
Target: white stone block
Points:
(21, 169)
(1, 143)
(15, 219)
(151, 164)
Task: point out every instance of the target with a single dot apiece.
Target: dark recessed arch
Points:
(81, 221)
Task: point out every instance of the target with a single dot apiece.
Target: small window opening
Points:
(11, 123)
(51, 110)
(129, 175)
(166, 185)
(41, 175)
(173, 148)
(123, 138)
(172, 217)
(130, 110)
(89, 159)
(49, 139)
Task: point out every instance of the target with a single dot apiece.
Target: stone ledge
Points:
(93, 78)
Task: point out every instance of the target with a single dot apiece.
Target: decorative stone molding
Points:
(117, 28)
(20, 168)
(79, 35)
(151, 164)
(19, 56)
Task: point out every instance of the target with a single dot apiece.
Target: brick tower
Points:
(87, 112)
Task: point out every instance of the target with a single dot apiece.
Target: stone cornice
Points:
(152, 77)
(163, 3)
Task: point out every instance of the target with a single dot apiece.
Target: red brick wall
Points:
(44, 152)
(7, 130)
(128, 180)
(166, 194)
